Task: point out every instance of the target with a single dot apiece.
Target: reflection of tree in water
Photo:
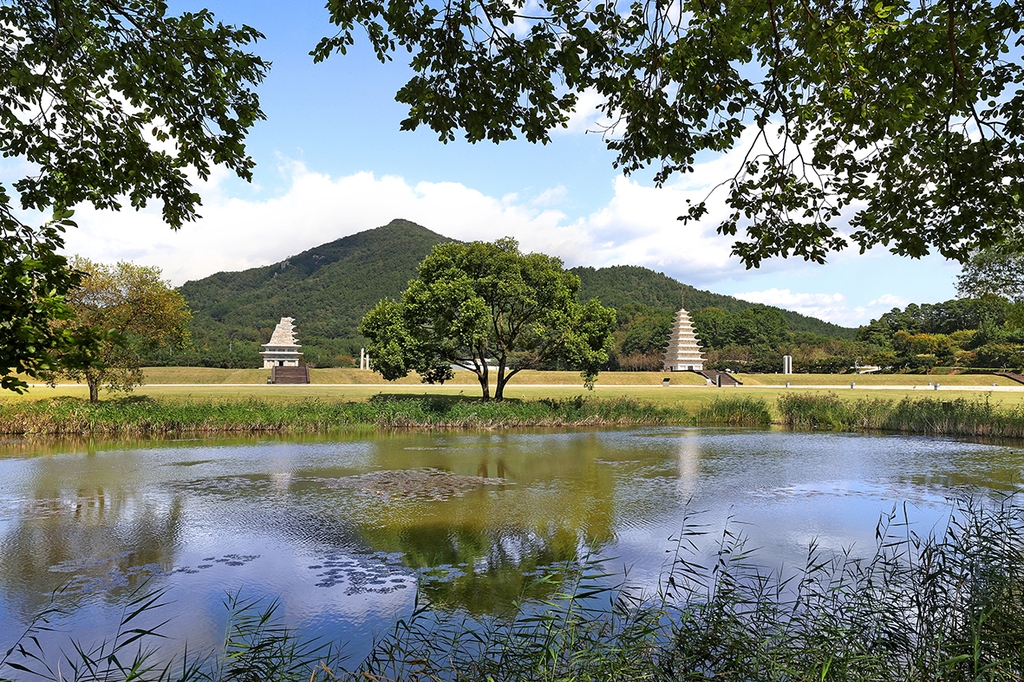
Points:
(84, 531)
(490, 546)
(506, 569)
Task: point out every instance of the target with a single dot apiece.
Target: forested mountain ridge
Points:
(621, 285)
(328, 289)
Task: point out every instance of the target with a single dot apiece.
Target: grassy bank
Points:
(940, 608)
(142, 415)
(928, 416)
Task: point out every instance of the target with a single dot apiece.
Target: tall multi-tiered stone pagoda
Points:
(683, 352)
(282, 351)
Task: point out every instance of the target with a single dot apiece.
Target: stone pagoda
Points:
(683, 352)
(282, 351)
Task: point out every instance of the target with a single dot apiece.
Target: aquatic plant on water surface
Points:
(941, 606)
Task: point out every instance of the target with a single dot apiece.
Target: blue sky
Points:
(331, 161)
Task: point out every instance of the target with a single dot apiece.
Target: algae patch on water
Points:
(426, 483)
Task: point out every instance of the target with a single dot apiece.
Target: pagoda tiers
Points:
(683, 352)
(282, 351)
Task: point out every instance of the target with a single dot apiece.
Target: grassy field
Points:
(689, 398)
(210, 375)
(213, 376)
(920, 380)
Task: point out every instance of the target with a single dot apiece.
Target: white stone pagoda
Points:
(683, 352)
(282, 351)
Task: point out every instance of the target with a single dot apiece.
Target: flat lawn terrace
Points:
(686, 390)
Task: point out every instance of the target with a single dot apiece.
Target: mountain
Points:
(328, 290)
(620, 285)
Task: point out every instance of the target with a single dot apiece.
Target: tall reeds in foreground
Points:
(946, 606)
(927, 416)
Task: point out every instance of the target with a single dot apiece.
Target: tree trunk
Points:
(499, 388)
(94, 391)
(481, 374)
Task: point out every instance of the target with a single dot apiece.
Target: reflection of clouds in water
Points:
(688, 462)
(280, 481)
(882, 492)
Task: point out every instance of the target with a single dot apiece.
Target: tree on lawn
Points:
(473, 304)
(134, 313)
(902, 119)
(996, 270)
(105, 103)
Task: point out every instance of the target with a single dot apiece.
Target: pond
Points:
(346, 529)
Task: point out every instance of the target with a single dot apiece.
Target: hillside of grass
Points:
(621, 285)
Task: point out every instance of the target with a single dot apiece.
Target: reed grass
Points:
(735, 411)
(141, 415)
(927, 416)
(144, 416)
(945, 607)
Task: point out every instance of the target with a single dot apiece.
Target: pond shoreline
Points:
(140, 415)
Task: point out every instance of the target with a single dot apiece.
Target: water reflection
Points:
(347, 528)
(83, 525)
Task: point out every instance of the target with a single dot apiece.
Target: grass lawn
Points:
(688, 397)
(919, 380)
(210, 375)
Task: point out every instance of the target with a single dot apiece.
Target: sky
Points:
(332, 161)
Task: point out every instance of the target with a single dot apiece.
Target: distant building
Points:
(683, 352)
(282, 351)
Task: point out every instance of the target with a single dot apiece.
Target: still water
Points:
(346, 529)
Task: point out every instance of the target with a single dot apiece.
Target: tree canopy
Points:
(478, 303)
(106, 103)
(901, 119)
(997, 270)
(133, 311)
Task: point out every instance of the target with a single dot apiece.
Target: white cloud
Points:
(586, 117)
(889, 302)
(638, 226)
(243, 227)
(830, 307)
(550, 196)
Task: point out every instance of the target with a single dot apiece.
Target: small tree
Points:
(477, 303)
(133, 311)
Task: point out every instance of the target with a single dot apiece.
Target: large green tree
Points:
(901, 119)
(473, 304)
(995, 270)
(105, 103)
(133, 311)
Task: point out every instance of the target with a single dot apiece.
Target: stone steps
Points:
(726, 378)
(289, 375)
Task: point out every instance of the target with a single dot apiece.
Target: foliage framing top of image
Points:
(903, 117)
(101, 103)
